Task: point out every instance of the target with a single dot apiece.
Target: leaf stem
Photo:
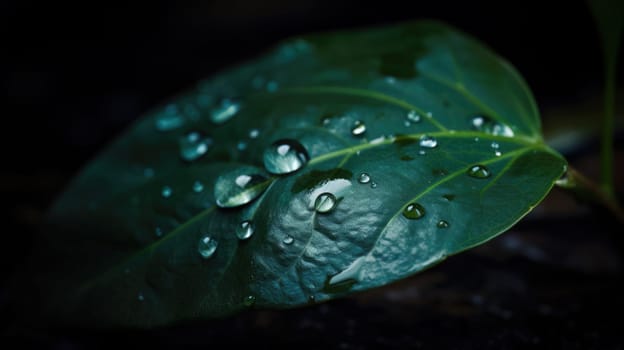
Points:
(588, 190)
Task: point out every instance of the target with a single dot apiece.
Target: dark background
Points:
(76, 74)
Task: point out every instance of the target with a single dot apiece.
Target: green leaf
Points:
(422, 143)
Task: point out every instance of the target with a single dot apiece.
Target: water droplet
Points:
(413, 117)
(414, 211)
(140, 297)
(448, 197)
(241, 146)
(358, 128)
(225, 111)
(479, 171)
(239, 186)
(390, 80)
(198, 186)
(442, 224)
(207, 246)
(244, 230)
(285, 156)
(498, 153)
(422, 152)
(494, 145)
(194, 145)
(373, 184)
(326, 121)
(169, 119)
(148, 172)
(288, 240)
(254, 133)
(407, 123)
(364, 178)
(490, 126)
(272, 86)
(166, 192)
(158, 231)
(429, 115)
(249, 300)
(325, 202)
(427, 141)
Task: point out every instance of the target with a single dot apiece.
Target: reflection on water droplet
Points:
(198, 186)
(413, 116)
(358, 129)
(325, 202)
(414, 211)
(288, 240)
(244, 230)
(498, 153)
(494, 145)
(239, 186)
(479, 171)
(148, 172)
(254, 133)
(427, 141)
(169, 119)
(166, 192)
(488, 125)
(249, 300)
(364, 178)
(194, 145)
(225, 111)
(285, 156)
(442, 224)
(207, 246)
(373, 184)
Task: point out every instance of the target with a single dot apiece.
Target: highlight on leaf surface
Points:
(333, 164)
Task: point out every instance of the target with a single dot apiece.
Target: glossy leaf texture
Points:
(340, 162)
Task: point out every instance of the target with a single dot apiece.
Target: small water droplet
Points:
(427, 141)
(494, 145)
(169, 119)
(241, 146)
(288, 240)
(326, 121)
(249, 300)
(225, 111)
(364, 178)
(140, 297)
(448, 197)
(358, 128)
(429, 115)
(488, 125)
(414, 211)
(311, 299)
(198, 186)
(479, 171)
(244, 230)
(254, 133)
(413, 117)
(148, 172)
(442, 224)
(422, 152)
(390, 80)
(207, 246)
(498, 153)
(325, 202)
(272, 86)
(158, 231)
(194, 145)
(373, 184)
(239, 186)
(285, 156)
(407, 123)
(166, 192)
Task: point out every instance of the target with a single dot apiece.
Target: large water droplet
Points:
(325, 202)
(442, 224)
(225, 111)
(490, 126)
(244, 230)
(239, 186)
(359, 128)
(194, 145)
(207, 246)
(427, 141)
(413, 117)
(166, 192)
(479, 171)
(414, 211)
(198, 186)
(288, 240)
(364, 178)
(249, 300)
(285, 156)
(169, 119)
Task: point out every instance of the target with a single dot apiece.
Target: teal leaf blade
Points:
(428, 143)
